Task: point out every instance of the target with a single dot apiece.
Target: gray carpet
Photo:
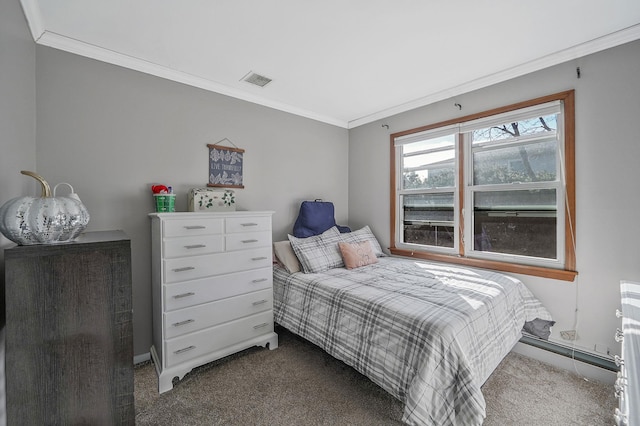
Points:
(299, 384)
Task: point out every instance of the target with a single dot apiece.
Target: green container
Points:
(165, 203)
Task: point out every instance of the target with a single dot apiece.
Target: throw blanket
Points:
(429, 334)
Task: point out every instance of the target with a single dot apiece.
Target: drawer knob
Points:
(180, 296)
(259, 280)
(620, 418)
(249, 224)
(260, 302)
(618, 360)
(194, 246)
(258, 258)
(195, 227)
(183, 350)
(259, 326)
(186, 268)
(619, 337)
(185, 322)
(249, 241)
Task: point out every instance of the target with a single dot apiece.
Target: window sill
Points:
(557, 274)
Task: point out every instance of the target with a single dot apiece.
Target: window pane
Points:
(431, 170)
(516, 222)
(531, 126)
(532, 162)
(428, 219)
(446, 141)
(429, 163)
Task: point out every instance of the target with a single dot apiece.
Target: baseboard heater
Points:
(570, 352)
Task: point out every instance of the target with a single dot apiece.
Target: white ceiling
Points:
(343, 62)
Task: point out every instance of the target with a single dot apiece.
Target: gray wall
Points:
(112, 132)
(17, 111)
(607, 174)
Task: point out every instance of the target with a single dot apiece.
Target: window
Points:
(494, 189)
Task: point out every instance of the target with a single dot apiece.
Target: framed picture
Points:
(225, 166)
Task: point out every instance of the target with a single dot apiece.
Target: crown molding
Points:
(67, 44)
(46, 38)
(91, 51)
(34, 18)
(605, 42)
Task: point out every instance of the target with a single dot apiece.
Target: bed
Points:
(430, 334)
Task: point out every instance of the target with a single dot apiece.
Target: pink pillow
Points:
(359, 254)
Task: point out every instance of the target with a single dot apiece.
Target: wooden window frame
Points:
(569, 272)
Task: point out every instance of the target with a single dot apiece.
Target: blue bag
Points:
(314, 218)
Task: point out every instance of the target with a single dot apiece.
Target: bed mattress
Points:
(430, 334)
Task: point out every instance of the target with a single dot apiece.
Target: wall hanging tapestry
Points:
(225, 165)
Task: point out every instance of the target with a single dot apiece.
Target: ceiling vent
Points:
(257, 79)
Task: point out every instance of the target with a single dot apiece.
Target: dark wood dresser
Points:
(69, 334)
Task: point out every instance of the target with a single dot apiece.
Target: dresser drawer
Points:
(188, 320)
(190, 293)
(190, 268)
(246, 240)
(192, 226)
(209, 340)
(248, 224)
(192, 246)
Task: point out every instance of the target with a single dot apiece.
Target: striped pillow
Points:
(364, 234)
(318, 253)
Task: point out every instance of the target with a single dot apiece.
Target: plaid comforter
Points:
(429, 334)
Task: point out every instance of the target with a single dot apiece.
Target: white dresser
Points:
(628, 383)
(212, 288)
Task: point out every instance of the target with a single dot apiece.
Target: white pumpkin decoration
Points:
(45, 220)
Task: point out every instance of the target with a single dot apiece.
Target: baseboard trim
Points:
(598, 361)
(139, 359)
(586, 365)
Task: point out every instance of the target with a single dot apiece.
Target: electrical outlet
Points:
(601, 348)
(569, 335)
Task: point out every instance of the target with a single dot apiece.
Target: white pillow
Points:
(285, 255)
(318, 253)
